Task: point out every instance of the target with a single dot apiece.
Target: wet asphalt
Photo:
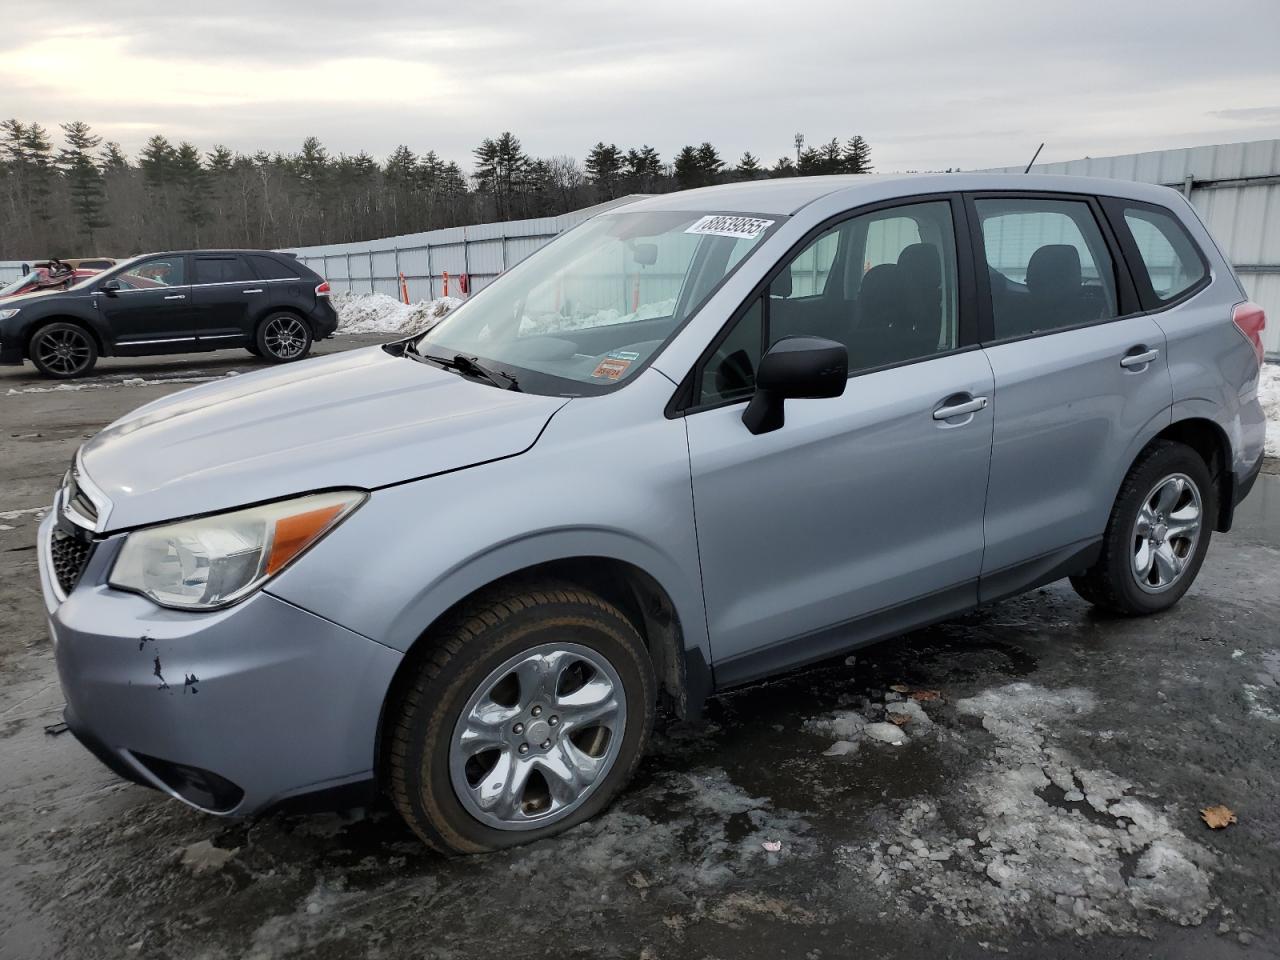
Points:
(1045, 801)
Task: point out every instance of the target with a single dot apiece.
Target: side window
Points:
(157, 272)
(1048, 264)
(730, 374)
(269, 268)
(222, 270)
(1173, 263)
(884, 284)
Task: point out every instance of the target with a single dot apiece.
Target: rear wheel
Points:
(527, 715)
(63, 351)
(1157, 536)
(283, 338)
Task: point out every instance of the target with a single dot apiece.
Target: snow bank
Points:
(378, 313)
(1269, 394)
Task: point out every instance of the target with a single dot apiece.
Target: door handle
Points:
(960, 409)
(255, 290)
(1138, 359)
(177, 296)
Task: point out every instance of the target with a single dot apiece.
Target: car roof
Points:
(788, 195)
(215, 252)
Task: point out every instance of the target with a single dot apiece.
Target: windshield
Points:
(588, 310)
(19, 284)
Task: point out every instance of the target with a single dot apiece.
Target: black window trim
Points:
(1126, 292)
(1114, 208)
(684, 401)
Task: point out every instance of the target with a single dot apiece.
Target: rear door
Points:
(228, 296)
(1081, 381)
(152, 311)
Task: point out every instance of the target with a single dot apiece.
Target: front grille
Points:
(69, 553)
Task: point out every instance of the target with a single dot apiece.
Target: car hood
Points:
(363, 418)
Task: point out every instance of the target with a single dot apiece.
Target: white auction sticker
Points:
(721, 225)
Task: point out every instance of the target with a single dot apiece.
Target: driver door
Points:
(863, 514)
(152, 311)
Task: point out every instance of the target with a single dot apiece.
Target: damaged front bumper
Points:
(230, 711)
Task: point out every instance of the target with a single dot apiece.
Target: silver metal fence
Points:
(482, 252)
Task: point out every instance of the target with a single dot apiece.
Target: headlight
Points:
(214, 561)
(11, 312)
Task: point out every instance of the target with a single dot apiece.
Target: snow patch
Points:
(379, 313)
(1269, 397)
(1066, 849)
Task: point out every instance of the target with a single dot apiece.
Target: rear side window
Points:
(221, 270)
(1172, 260)
(269, 268)
(1048, 265)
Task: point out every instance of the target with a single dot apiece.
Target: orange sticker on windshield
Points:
(611, 368)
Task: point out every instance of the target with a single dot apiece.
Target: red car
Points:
(45, 279)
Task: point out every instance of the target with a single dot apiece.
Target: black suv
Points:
(180, 302)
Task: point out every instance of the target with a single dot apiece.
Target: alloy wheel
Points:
(66, 351)
(1166, 532)
(285, 337)
(538, 736)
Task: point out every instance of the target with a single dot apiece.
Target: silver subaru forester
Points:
(697, 440)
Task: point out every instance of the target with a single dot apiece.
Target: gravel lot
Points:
(1044, 800)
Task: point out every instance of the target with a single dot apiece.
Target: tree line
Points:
(86, 197)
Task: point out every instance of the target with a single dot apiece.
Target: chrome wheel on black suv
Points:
(526, 714)
(63, 351)
(283, 338)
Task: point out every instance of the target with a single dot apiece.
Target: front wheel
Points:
(283, 338)
(526, 715)
(63, 350)
(1157, 536)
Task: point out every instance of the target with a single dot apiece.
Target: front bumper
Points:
(231, 711)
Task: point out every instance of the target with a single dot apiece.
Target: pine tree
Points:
(191, 178)
(785, 167)
(157, 161)
(84, 179)
(38, 159)
(112, 159)
(687, 169)
(830, 157)
(709, 163)
(748, 167)
(604, 165)
(810, 162)
(857, 156)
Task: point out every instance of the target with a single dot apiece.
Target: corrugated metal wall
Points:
(482, 252)
(10, 270)
(1236, 189)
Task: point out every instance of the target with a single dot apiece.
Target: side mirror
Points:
(110, 287)
(795, 368)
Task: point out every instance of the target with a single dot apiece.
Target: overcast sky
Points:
(930, 83)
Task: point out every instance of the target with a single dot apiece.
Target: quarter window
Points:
(1048, 265)
(268, 268)
(1169, 255)
(884, 284)
(222, 270)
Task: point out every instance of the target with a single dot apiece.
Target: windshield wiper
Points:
(471, 367)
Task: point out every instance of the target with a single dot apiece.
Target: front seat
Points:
(884, 328)
(922, 269)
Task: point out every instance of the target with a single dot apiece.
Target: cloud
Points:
(930, 83)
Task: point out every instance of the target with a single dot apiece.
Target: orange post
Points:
(404, 289)
(446, 283)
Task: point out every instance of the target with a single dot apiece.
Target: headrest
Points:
(1054, 269)
(922, 263)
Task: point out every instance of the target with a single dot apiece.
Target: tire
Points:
(253, 349)
(470, 668)
(1150, 529)
(283, 338)
(62, 351)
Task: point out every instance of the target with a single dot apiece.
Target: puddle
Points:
(1258, 517)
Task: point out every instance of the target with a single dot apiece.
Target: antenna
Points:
(1033, 158)
(799, 146)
